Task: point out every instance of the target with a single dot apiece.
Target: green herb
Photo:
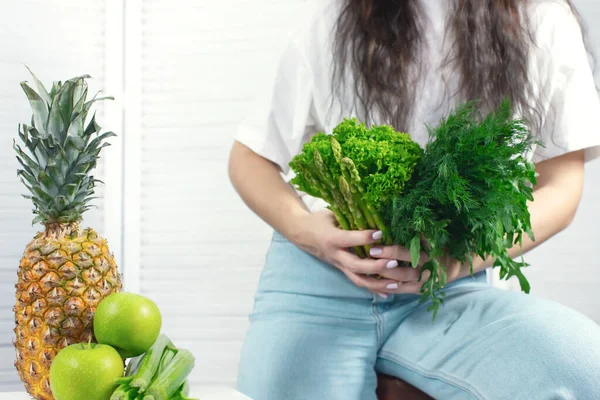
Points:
(468, 196)
(465, 194)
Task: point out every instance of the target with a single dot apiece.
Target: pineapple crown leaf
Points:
(42, 92)
(38, 106)
(61, 147)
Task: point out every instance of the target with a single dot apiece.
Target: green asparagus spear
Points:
(337, 149)
(361, 223)
(323, 171)
(339, 198)
(341, 216)
(337, 153)
(349, 166)
(358, 199)
(336, 204)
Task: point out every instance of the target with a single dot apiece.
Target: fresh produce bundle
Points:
(468, 195)
(357, 171)
(464, 195)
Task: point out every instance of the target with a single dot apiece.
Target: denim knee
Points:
(563, 353)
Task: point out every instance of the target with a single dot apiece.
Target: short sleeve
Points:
(572, 121)
(277, 125)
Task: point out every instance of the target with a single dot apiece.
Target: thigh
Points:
(488, 343)
(300, 347)
(289, 269)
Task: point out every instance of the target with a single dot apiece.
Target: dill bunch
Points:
(467, 196)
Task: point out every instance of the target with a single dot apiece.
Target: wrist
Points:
(456, 269)
(295, 228)
(464, 269)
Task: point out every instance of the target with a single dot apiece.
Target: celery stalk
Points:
(149, 365)
(132, 394)
(185, 388)
(125, 380)
(120, 392)
(182, 392)
(172, 377)
(167, 356)
(124, 392)
(134, 364)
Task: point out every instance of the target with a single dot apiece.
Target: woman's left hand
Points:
(407, 278)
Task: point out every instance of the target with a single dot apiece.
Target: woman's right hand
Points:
(317, 233)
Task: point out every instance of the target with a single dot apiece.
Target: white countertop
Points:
(205, 393)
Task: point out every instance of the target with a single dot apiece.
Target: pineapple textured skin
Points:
(61, 280)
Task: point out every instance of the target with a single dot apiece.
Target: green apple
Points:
(128, 322)
(85, 371)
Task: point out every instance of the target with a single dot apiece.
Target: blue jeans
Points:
(314, 335)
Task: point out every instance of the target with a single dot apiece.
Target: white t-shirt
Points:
(298, 104)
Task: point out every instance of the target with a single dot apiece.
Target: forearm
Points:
(260, 185)
(549, 216)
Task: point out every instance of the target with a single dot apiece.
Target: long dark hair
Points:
(377, 45)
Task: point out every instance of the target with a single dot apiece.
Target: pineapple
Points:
(66, 270)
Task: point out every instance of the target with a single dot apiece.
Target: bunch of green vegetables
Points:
(159, 374)
(357, 170)
(464, 195)
(468, 195)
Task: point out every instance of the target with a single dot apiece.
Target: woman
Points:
(321, 327)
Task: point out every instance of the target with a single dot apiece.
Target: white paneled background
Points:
(184, 73)
(203, 63)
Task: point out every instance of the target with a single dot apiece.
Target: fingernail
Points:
(385, 296)
(377, 235)
(392, 264)
(375, 251)
(392, 286)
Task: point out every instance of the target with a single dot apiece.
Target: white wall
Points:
(184, 72)
(201, 250)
